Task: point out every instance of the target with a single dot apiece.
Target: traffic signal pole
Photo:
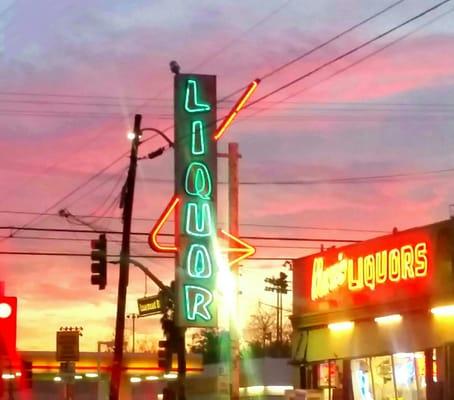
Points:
(124, 265)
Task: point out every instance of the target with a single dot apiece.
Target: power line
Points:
(235, 40)
(343, 180)
(301, 77)
(350, 180)
(71, 254)
(76, 189)
(329, 41)
(372, 54)
(17, 229)
(346, 54)
(241, 224)
(250, 237)
(320, 46)
(64, 239)
(267, 75)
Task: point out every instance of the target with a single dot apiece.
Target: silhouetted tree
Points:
(213, 344)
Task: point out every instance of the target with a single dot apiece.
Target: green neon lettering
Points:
(199, 262)
(198, 220)
(198, 181)
(198, 138)
(192, 94)
(197, 301)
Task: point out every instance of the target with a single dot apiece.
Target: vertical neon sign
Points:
(195, 187)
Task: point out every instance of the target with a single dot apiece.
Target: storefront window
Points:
(405, 371)
(362, 379)
(398, 377)
(328, 375)
(330, 378)
(382, 370)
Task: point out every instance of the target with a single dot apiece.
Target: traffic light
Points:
(99, 261)
(8, 323)
(164, 355)
(283, 283)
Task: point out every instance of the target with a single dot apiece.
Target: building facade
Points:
(375, 320)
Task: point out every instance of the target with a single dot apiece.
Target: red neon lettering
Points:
(245, 251)
(405, 263)
(153, 236)
(236, 109)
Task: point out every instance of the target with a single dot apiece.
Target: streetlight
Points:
(133, 316)
(131, 135)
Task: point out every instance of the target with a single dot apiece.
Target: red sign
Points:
(400, 266)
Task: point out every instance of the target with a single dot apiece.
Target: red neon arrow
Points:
(244, 250)
(153, 236)
(236, 109)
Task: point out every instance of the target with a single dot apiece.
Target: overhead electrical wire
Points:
(222, 49)
(267, 75)
(320, 46)
(351, 180)
(345, 54)
(334, 60)
(74, 254)
(241, 224)
(66, 196)
(372, 54)
(301, 77)
(343, 180)
(250, 237)
(144, 242)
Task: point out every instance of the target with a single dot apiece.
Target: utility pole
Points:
(280, 286)
(234, 156)
(128, 200)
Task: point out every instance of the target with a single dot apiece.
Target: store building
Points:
(375, 320)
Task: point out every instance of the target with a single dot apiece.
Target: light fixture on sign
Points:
(151, 378)
(135, 379)
(341, 326)
(443, 311)
(171, 375)
(388, 319)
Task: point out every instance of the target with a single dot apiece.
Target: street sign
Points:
(68, 345)
(150, 305)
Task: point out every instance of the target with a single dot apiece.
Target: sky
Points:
(367, 147)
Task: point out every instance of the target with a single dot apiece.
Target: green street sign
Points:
(150, 305)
